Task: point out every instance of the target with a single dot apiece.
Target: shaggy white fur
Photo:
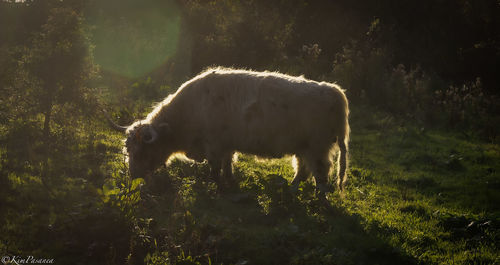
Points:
(224, 110)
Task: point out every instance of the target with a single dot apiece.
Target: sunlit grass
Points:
(406, 204)
(414, 197)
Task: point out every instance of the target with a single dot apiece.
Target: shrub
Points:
(469, 107)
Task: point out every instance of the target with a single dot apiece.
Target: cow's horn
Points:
(113, 124)
(153, 134)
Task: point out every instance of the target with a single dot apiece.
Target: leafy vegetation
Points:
(424, 153)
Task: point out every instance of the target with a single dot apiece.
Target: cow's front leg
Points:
(301, 174)
(227, 170)
(215, 168)
(221, 161)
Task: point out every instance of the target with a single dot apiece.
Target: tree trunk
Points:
(46, 125)
(46, 142)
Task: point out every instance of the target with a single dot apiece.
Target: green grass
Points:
(437, 192)
(415, 197)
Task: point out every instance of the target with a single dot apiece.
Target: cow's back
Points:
(265, 113)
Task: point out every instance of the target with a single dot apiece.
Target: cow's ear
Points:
(164, 128)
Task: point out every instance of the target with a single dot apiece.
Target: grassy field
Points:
(415, 197)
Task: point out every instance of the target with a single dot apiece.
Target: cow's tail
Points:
(343, 145)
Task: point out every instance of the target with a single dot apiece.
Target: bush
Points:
(363, 74)
(368, 77)
(469, 107)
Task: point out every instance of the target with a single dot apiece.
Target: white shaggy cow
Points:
(268, 114)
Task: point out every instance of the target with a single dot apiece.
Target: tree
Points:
(54, 73)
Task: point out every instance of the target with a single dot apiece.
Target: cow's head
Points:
(145, 149)
(146, 145)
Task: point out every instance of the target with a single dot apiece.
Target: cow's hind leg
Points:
(301, 174)
(320, 166)
(342, 165)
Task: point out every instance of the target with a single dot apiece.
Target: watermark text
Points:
(25, 260)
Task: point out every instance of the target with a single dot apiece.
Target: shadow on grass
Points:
(263, 222)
